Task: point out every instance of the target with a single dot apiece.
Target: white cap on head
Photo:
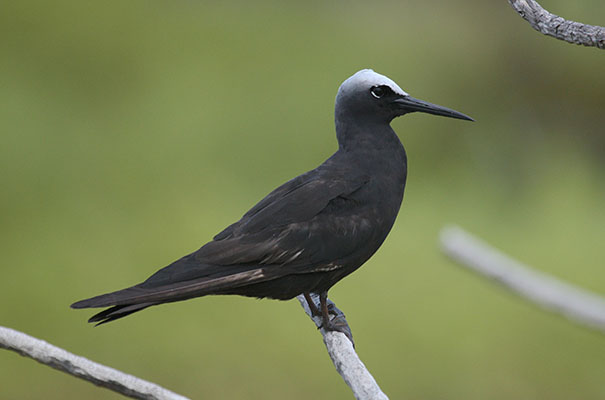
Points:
(368, 78)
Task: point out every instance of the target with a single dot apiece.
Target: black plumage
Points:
(308, 233)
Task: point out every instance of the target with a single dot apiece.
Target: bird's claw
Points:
(339, 324)
(334, 320)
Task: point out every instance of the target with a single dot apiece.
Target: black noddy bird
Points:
(310, 232)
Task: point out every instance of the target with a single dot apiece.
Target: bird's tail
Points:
(117, 312)
(136, 298)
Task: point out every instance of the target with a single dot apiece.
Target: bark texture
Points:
(558, 27)
(83, 368)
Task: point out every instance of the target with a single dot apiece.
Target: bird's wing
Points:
(308, 221)
(297, 200)
(305, 225)
(289, 220)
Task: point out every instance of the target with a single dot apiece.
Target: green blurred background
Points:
(132, 132)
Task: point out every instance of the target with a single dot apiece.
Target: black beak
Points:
(409, 104)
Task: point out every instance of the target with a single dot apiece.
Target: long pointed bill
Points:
(410, 104)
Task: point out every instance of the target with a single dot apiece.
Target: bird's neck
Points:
(366, 136)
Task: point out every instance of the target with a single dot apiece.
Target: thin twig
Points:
(83, 368)
(547, 291)
(343, 355)
(558, 27)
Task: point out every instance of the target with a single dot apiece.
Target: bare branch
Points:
(560, 28)
(83, 368)
(343, 355)
(340, 348)
(547, 291)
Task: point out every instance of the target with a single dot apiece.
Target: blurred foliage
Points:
(134, 131)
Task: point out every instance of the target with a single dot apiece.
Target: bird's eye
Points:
(378, 91)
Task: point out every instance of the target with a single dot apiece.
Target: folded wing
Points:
(295, 229)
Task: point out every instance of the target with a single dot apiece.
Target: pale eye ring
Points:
(378, 91)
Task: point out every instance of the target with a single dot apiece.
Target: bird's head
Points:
(370, 96)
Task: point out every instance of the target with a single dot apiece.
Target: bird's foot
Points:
(333, 318)
(332, 310)
(338, 324)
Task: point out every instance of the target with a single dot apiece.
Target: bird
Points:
(310, 232)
